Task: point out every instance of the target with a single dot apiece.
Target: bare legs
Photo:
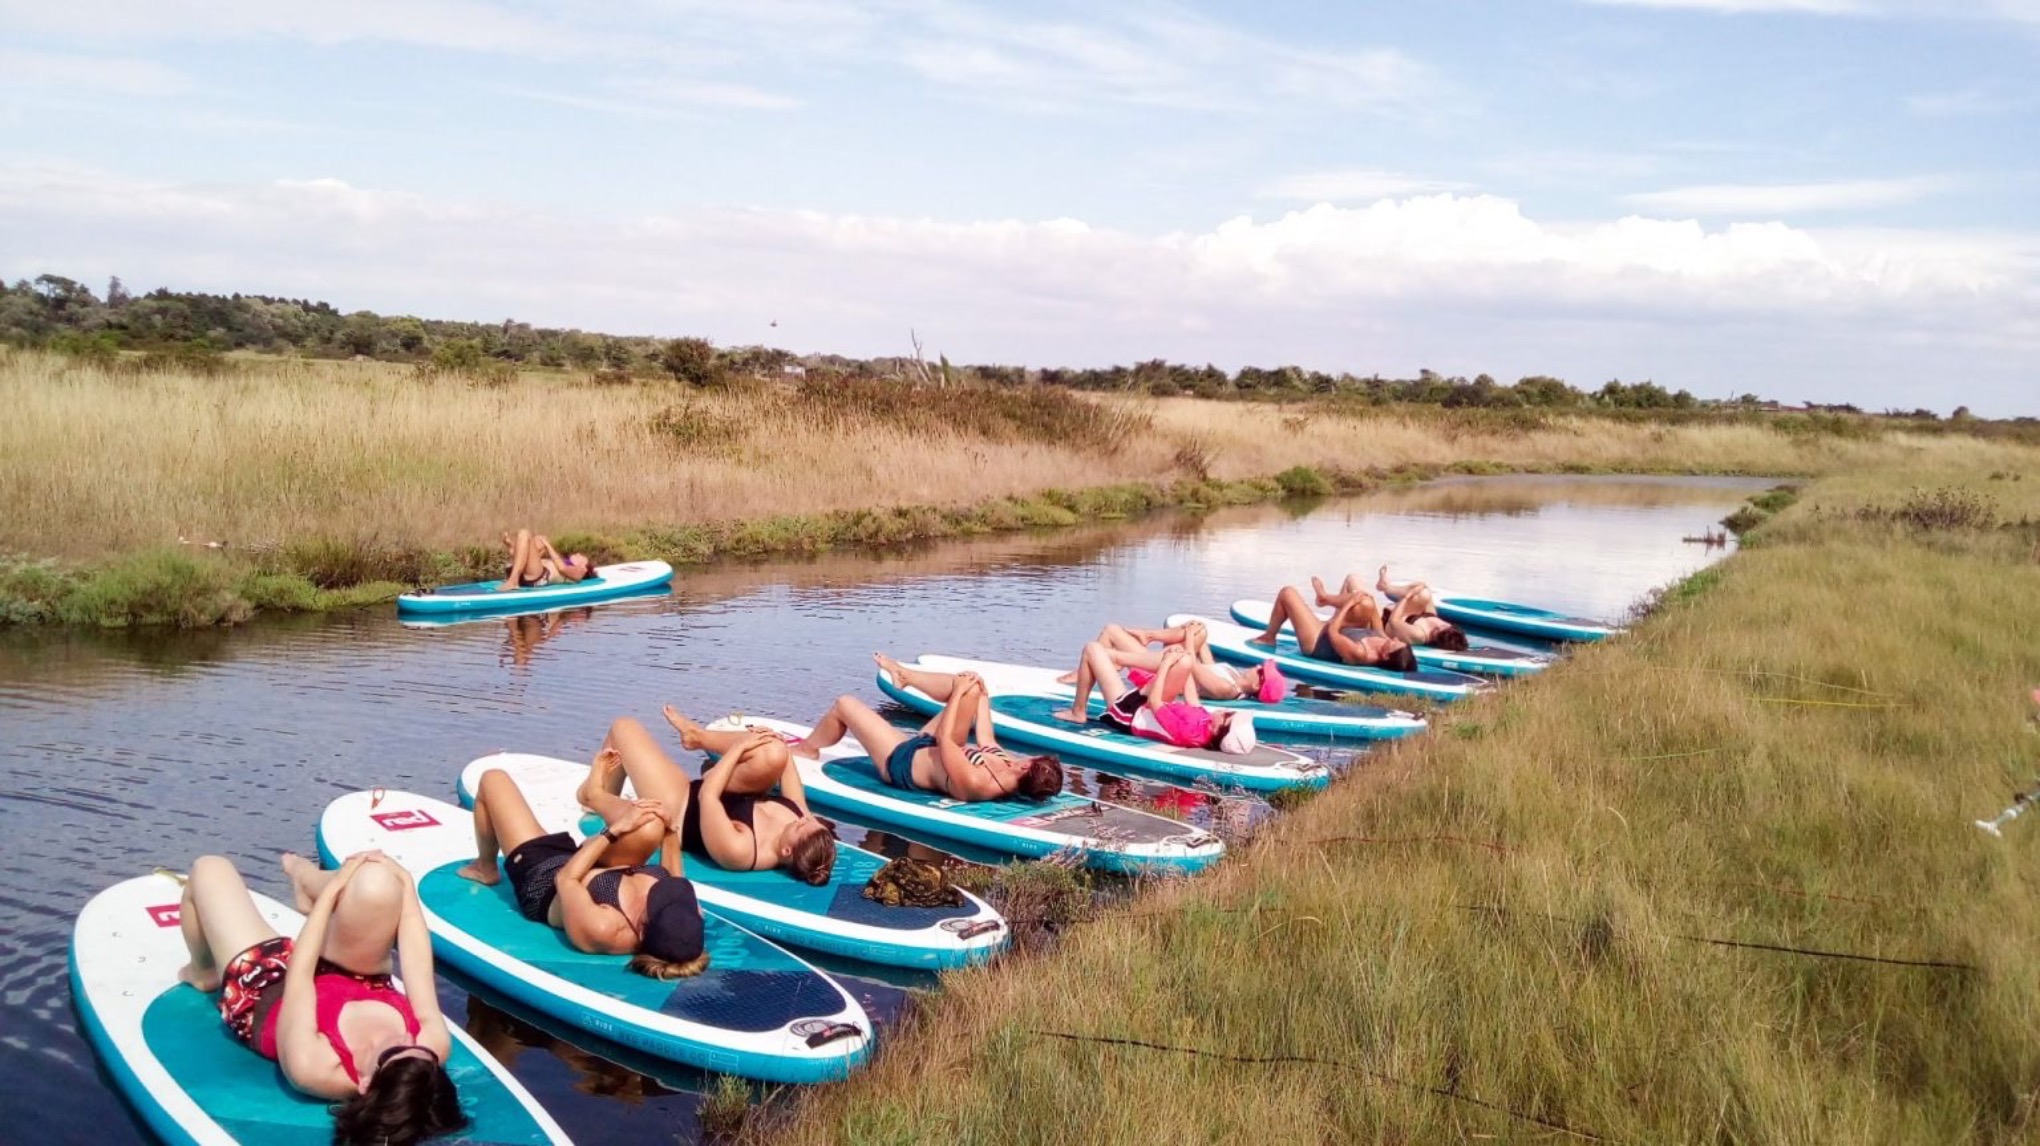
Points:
(219, 920)
(1095, 667)
(526, 559)
(851, 716)
(503, 821)
(1290, 607)
(629, 751)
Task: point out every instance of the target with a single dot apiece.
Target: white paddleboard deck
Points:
(164, 1046)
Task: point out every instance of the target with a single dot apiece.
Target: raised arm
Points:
(307, 1060)
(1348, 649)
(1396, 622)
(588, 927)
(414, 964)
(729, 843)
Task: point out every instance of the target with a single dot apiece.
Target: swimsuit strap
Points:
(334, 987)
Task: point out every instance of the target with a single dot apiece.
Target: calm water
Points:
(121, 753)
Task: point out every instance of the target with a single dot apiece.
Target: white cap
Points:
(1239, 735)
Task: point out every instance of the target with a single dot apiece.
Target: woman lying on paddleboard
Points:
(322, 1005)
(1166, 709)
(1335, 640)
(733, 815)
(534, 562)
(600, 893)
(1128, 649)
(1419, 623)
(940, 757)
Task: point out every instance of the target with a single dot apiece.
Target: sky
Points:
(1813, 200)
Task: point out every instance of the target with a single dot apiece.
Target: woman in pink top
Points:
(323, 1005)
(1167, 709)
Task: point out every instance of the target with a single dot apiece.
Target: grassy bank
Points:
(335, 483)
(1714, 881)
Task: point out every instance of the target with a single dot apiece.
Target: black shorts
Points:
(532, 867)
(1119, 713)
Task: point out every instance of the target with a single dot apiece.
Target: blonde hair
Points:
(653, 967)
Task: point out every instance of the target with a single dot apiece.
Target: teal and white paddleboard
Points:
(1298, 718)
(1107, 836)
(757, 1011)
(1486, 660)
(835, 917)
(1528, 620)
(1230, 642)
(484, 597)
(165, 1049)
(1029, 719)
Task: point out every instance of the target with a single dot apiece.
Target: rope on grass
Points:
(1308, 1060)
(1932, 964)
(1493, 847)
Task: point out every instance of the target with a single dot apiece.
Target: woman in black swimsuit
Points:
(600, 892)
(1330, 640)
(733, 815)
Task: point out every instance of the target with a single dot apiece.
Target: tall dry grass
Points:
(1714, 881)
(96, 462)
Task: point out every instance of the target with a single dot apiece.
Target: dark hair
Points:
(814, 857)
(1402, 659)
(409, 1099)
(1044, 778)
(1449, 638)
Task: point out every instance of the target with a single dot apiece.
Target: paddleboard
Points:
(484, 597)
(757, 1011)
(424, 621)
(1103, 835)
(834, 917)
(1230, 642)
(1509, 617)
(1486, 660)
(1029, 719)
(165, 1049)
(1293, 717)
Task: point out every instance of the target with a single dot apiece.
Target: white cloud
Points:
(1427, 280)
(2016, 11)
(68, 74)
(1964, 102)
(1354, 186)
(1792, 198)
(1820, 7)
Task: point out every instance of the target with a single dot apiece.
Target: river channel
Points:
(122, 752)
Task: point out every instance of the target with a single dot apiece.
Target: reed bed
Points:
(97, 462)
(1713, 881)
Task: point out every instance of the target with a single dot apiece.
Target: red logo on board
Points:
(164, 915)
(404, 821)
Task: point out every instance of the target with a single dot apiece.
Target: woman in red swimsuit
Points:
(323, 1005)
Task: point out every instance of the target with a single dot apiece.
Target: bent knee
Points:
(209, 868)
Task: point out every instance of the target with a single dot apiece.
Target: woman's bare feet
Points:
(298, 869)
(892, 668)
(207, 981)
(1067, 678)
(1317, 586)
(690, 729)
(483, 873)
(603, 773)
(1069, 715)
(1381, 581)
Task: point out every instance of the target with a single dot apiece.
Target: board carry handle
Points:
(834, 1032)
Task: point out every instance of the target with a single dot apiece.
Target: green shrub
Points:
(1302, 481)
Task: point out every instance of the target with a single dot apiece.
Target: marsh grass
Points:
(360, 479)
(1715, 881)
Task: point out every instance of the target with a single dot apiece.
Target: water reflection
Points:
(122, 751)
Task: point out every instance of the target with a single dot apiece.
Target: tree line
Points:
(195, 329)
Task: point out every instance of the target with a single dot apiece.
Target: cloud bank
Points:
(1461, 283)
